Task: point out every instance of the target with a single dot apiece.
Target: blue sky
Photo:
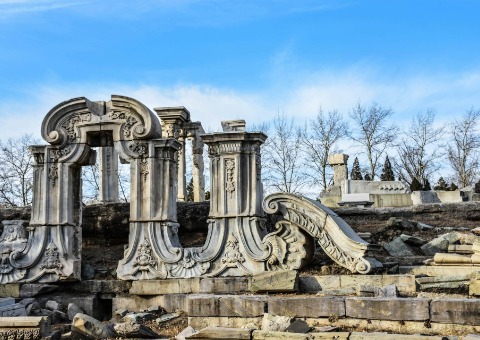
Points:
(239, 59)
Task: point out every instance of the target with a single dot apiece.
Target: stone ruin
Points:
(48, 248)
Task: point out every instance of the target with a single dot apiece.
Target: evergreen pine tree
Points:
(368, 177)
(426, 186)
(190, 191)
(415, 186)
(356, 175)
(387, 172)
(453, 187)
(441, 184)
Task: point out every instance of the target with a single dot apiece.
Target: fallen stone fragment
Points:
(121, 312)
(128, 330)
(298, 326)
(476, 231)
(398, 247)
(412, 240)
(400, 223)
(72, 310)
(185, 333)
(423, 226)
(275, 322)
(139, 317)
(167, 317)
(91, 328)
(6, 301)
(52, 305)
(439, 244)
(154, 309)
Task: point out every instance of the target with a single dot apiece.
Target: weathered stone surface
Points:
(337, 292)
(400, 309)
(202, 305)
(167, 317)
(242, 306)
(52, 305)
(308, 307)
(133, 330)
(221, 333)
(10, 290)
(90, 327)
(277, 281)
(398, 247)
(386, 291)
(200, 322)
(34, 289)
(425, 197)
(438, 270)
(224, 285)
(400, 223)
(97, 286)
(169, 286)
(459, 311)
(276, 323)
(440, 244)
(6, 302)
(16, 309)
(72, 310)
(446, 282)
(260, 335)
(330, 335)
(90, 303)
(317, 283)
(389, 336)
(171, 302)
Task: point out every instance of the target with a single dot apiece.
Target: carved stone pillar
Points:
(153, 239)
(173, 120)
(194, 131)
(236, 198)
(108, 173)
(340, 169)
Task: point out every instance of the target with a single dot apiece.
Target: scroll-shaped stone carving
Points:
(337, 239)
(12, 241)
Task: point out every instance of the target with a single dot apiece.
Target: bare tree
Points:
(420, 149)
(282, 157)
(90, 182)
(373, 132)
(320, 140)
(16, 164)
(464, 150)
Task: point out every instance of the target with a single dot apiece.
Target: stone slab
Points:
(242, 306)
(330, 335)
(133, 303)
(276, 282)
(221, 333)
(224, 285)
(261, 335)
(10, 290)
(458, 311)
(439, 270)
(402, 327)
(42, 323)
(308, 307)
(203, 305)
(389, 336)
(169, 286)
(200, 322)
(311, 284)
(399, 309)
(474, 288)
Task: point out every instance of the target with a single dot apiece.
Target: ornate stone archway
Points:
(49, 249)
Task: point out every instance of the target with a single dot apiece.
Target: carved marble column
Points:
(173, 120)
(108, 174)
(153, 239)
(194, 131)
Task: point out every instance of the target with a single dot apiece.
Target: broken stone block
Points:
(298, 326)
(437, 245)
(72, 310)
(456, 311)
(386, 291)
(399, 223)
(129, 330)
(412, 240)
(275, 322)
(139, 317)
(52, 305)
(398, 247)
(185, 333)
(276, 281)
(15, 309)
(121, 312)
(167, 317)
(423, 226)
(91, 328)
(7, 301)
